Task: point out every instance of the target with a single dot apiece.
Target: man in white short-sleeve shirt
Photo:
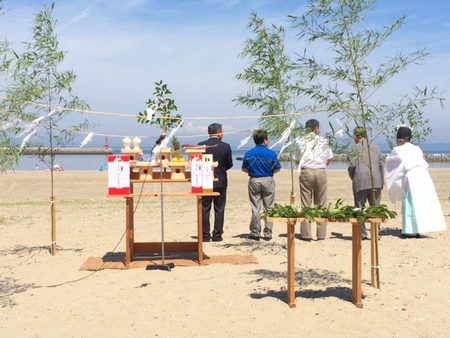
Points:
(314, 156)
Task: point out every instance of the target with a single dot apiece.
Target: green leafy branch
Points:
(160, 109)
(333, 212)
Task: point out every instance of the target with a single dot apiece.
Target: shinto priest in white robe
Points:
(408, 180)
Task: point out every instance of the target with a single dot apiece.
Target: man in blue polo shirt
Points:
(260, 163)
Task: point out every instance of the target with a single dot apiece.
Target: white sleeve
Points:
(395, 172)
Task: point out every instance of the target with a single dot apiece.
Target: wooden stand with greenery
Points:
(356, 256)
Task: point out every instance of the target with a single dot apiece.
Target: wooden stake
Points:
(53, 212)
(374, 257)
(291, 261)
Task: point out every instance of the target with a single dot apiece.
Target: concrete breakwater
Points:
(69, 151)
(437, 157)
(343, 157)
(428, 157)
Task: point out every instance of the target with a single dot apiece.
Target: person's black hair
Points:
(214, 129)
(404, 133)
(312, 124)
(259, 136)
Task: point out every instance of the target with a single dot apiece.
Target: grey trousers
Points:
(313, 189)
(261, 192)
(360, 199)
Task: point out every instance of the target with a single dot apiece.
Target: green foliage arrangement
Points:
(333, 212)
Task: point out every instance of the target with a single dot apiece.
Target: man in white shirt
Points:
(314, 156)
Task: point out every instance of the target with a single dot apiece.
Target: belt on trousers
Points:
(311, 168)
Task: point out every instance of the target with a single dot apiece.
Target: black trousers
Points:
(219, 213)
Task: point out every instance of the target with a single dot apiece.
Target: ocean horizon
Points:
(97, 162)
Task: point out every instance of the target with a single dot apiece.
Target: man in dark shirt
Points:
(221, 152)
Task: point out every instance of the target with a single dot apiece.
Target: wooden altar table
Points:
(133, 248)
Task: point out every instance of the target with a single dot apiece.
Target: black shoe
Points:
(266, 238)
(254, 238)
(206, 239)
(305, 239)
(365, 238)
(217, 239)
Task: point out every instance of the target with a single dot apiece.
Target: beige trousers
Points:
(313, 190)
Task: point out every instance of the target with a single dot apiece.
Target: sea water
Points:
(99, 162)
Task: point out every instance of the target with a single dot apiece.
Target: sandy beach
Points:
(49, 296)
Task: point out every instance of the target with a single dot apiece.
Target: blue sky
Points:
(119, 48)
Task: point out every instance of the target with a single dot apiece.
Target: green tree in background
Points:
(34, 89)
(345, 81)
(5, 52)
(8, 156)
(274, 89)
(34, 86)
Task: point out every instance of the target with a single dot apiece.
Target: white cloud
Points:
(84, 14)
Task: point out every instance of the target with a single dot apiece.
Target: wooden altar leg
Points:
(129, 241)
(374, 262)
(200, 229)
(129, 221)
(291, 262)
(356, 265)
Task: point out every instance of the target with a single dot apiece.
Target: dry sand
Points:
(48, 296)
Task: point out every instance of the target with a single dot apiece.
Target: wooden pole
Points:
(292, 199)
(374, 257)
(129, 245)
(356, 265)
(53, 213)
(200, 229)
(291, 260)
